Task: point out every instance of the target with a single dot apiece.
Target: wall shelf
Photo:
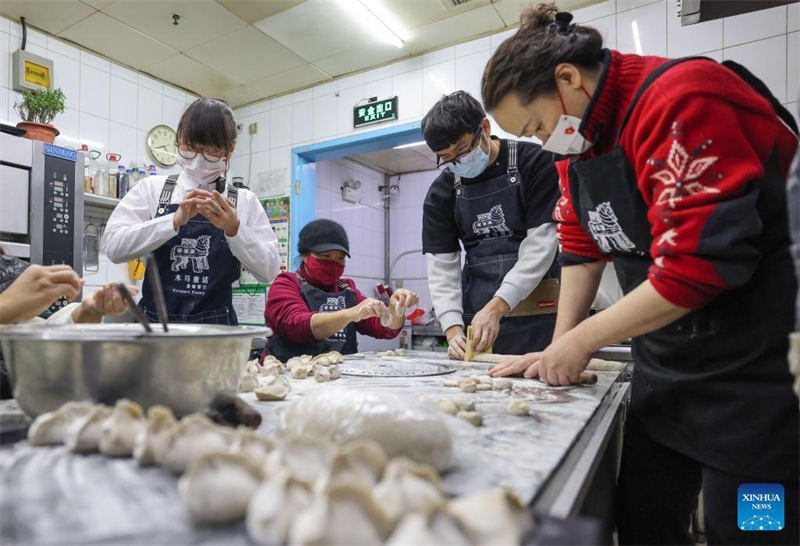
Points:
(100, 200)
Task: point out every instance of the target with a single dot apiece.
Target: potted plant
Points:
(37, 109)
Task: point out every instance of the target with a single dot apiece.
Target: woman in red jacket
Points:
(314, 310)
(676, 170)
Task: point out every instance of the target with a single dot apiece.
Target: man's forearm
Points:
(579, 285)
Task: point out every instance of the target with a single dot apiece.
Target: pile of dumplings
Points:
(268, 382)
(301, 491)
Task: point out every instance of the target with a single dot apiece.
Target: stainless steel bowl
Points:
(182, 369)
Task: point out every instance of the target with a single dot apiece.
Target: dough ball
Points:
(464, 404)
(483, 387)
(448, 406)
(472, 417)
(503, 384)
(517, 406)
(468, 386)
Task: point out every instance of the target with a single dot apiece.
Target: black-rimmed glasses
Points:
(457, 159)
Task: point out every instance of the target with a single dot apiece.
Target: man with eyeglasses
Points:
(494, 198)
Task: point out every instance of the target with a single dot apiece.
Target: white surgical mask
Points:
(201, 171)
(473, 164)
(566, 139)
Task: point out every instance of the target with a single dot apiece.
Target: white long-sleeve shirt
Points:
(536, 254)
(133, 230)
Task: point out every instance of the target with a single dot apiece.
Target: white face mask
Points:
(201, 171)
(566, 139)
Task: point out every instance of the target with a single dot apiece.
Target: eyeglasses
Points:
(457, 159)
(212, 156)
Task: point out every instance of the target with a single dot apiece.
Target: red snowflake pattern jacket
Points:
(698, 138)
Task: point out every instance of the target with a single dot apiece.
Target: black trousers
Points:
(658, 490)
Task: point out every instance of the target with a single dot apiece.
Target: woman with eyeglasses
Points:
(200, 229)
(494, 198)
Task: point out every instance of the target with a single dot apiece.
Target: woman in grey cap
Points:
(314, 310)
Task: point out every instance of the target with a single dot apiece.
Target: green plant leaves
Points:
(41, 106)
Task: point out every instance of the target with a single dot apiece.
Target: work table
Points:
(52, 495)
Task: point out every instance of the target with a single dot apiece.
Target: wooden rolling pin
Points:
(585, 378)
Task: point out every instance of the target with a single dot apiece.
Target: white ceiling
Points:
(399, 161)
(247, 50)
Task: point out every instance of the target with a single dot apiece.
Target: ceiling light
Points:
(382, 24)
(412, 145)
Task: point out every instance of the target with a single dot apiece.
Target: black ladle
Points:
(158, 292)
(140, 316)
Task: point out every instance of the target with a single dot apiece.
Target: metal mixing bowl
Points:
(182, 369)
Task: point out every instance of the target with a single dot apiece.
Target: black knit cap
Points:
(322, 236)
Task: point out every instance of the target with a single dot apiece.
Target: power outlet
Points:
(239, 128)
(253, 127)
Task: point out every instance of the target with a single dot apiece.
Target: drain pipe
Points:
(387, 233)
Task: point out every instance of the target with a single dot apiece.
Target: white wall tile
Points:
(496, 39)
(409, 87)
(239, 165)
(469, 71)
(57, 46)
(436, 57)
(13, 98)
(348, 98)
(68, 123)
(596, 11)
(124, 73)
(122, 140)
(243, 138)
(67, 77)
(793, 67)
(408, 65)
(95, 91)
(260, 140)
(692, 39)
(473, 46)
(95, 62)
(260, 164)
(327, 88)
(716, 55)
(794, 108)
(326, 116)
(280, 102)
(794, 18)
(350, 81)
(378, 74)
(4, 25)
(381, 89)
(608, 29)
(4, 105)
(175, 94)
(437, 80)
(150, 109)
(93, 130)
(625, 5)
(124, 101)
(5, 54)
(755, 25)
(280, 125)
(648, 22)
(173, 110)
(151, 84)
(142, 155)
(261, 107)
(281, 158)
(766, 59)
(302, 96)
(302, 122)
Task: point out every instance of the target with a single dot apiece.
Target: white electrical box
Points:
(351, 195)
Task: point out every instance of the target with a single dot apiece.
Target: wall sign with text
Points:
(375, 112)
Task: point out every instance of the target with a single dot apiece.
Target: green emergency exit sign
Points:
(375, 112)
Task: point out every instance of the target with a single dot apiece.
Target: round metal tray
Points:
(393, 368)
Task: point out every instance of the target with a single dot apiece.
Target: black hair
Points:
(452, 117)
(525, 63)
(208, 122)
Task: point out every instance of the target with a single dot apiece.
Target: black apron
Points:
(714, 385)
(345, 341)
(490, 216)
(197, 269)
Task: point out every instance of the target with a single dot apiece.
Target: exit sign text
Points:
(375, 112)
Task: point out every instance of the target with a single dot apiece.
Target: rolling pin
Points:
(585, 378)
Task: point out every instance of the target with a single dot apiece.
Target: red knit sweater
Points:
(698, 124)
(288, 314)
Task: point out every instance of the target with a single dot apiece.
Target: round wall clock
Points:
(162, 145)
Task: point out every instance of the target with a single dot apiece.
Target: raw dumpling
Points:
(386, 319)
(273, 506)
(248, 383)
(360, 461)
(401, 425)
(305, 458)
(468, 386)
(464, 404)
(274, 388)
(252, 367)
(518, 407)
(322, 374)
(435, 528)
(152, 438)
(484, 387)
(338, 356)
(53, 427)
(472, 417)
(408, 487)
(276, 368)
(335, 372)
(250, 443)
(294, 362)
(451, 382)
(217, 487)
(344, 514)
(301, 372)
(493, 516)
(85, 436)
(448, 406)
(118, 433)
(503, 384)
(478, 379)
(194, 435)
(400, 352)
(399, 310)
